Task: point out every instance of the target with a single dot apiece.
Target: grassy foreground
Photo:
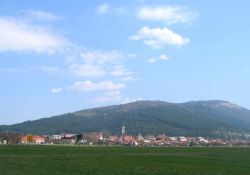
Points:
(60, 160)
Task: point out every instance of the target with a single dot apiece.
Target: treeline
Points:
(10, 137)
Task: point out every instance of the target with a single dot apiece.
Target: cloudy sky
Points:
(60, 56)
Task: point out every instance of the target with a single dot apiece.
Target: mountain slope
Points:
(198, 118)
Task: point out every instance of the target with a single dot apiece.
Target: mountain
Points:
(196, 118)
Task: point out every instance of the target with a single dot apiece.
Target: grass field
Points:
(64, 160)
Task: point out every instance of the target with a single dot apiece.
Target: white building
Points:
(55, 137)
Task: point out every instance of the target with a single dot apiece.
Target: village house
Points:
(35, 139)
(69, 139)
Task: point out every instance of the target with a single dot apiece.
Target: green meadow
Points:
(100, 160)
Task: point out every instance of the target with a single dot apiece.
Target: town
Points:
(102, 138)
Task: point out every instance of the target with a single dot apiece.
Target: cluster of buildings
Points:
(128, 140)
(99, 138)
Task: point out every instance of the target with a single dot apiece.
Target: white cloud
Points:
(159, 37)
(91, 86)
(162, 57)
(128, 78)
(87, 70)
(168, 14)
(131, 55)
(114, 96)
(97, 63)
(103, 9)
(16, 35)
(121, 71)
(19, 35)
(43, 16)
(110, 96)
(102, 57)
(56, 90)
(152, 60)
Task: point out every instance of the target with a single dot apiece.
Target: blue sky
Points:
(61, 56)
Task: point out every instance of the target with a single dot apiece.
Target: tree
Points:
(29, 138)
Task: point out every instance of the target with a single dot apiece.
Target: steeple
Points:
(123, 129)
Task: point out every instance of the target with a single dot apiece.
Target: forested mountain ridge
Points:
(196, 118)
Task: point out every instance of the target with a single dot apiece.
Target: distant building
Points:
(203, 140)
(34, 139)
(55, 137)
(182, 138)
(69, 138)
(39, 139)
(24, 140)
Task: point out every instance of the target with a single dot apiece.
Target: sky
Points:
(61, 56)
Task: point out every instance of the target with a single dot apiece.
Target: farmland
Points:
(59, 160)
